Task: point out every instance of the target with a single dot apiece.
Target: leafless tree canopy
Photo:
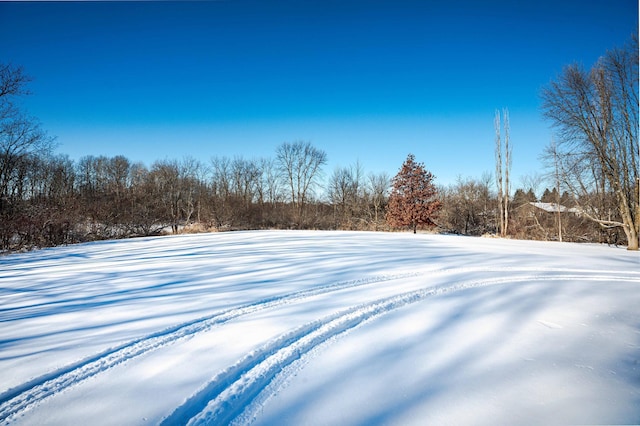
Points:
(469, 207)
(23, 146)
(596, 115)
(300, 165)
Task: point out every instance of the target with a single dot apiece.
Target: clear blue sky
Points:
(367, 81)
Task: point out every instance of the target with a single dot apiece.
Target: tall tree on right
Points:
(413, 200)
(596, 115)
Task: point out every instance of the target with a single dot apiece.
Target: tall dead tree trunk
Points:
(503, 167)
(554, 152)
(507, 169)
(496, 123)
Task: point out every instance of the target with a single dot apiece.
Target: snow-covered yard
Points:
(286, 327)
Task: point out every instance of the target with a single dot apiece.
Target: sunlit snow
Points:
(320, 328)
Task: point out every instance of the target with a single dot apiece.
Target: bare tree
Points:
(189, 172)
(20, 136)
(221, 184)
(147, 215)
(13, 84)
(245, 175)
(379, 185)
(198, 174)
(466, 207)
(346, 193)
(532, 181)
(166, 176)
(596, 115)
(300, 165)
(503, 167)
(117, 169)
(552, 154)
(271, 186)
(507, 170)
(21, 142)
(339, 192)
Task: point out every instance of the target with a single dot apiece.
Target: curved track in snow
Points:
(31, 393)
(223, 399)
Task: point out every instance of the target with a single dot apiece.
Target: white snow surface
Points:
(320, 328)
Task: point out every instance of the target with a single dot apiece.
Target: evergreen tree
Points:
(520, 197)
(550, 196)
(413, 201)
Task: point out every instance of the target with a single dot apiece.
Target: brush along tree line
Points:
(48, 199)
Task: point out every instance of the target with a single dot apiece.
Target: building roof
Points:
(554, 207)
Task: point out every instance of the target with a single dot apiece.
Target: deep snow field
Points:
(320, 328)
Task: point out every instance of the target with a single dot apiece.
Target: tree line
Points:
(52, 200)
(47, 199)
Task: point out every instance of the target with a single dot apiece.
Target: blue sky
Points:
(368, 81)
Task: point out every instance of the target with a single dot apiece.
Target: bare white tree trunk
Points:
(503, 169)
(496, 124)
(554, 152)
(507, 169)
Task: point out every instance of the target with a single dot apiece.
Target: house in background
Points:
(551, 222)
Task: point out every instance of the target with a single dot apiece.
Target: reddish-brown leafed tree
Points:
(414, 198)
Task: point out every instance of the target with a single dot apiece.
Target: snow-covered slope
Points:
(278, 327)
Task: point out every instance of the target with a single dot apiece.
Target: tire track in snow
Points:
(29, 394)
(230, 393)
